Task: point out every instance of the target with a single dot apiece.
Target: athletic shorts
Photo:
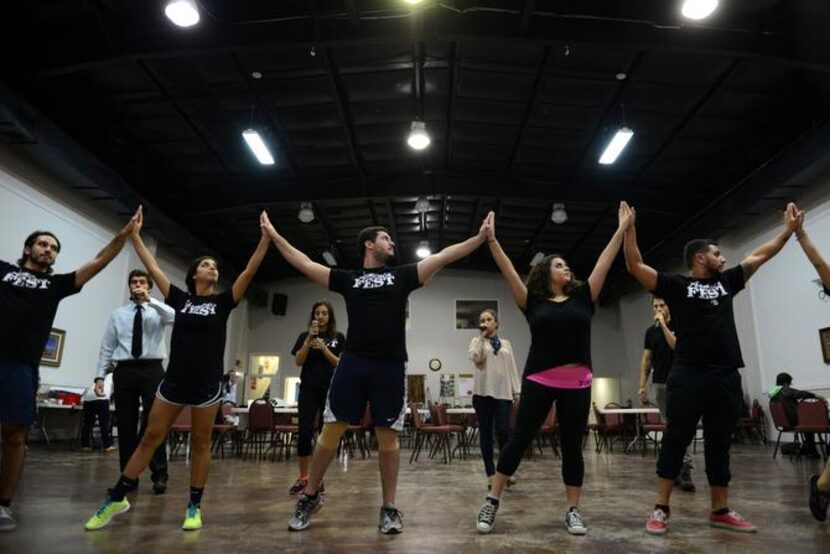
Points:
(18, 387)
(357, 380)
(189, 393)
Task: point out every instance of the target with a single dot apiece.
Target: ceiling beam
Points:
(657, 197)
(700, 105)
(548, 29)
(530, 105)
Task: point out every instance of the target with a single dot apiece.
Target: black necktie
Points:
(138, 334)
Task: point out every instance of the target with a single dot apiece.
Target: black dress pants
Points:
(136, 382)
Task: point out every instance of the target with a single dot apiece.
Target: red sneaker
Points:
(658, 522)
(732, 521)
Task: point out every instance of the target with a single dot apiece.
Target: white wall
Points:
(30, 198)
(432, 332)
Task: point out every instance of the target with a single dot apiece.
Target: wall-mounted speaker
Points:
(279, 303)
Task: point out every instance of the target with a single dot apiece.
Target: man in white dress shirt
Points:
(134, 342)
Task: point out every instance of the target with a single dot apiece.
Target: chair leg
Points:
(777, 443)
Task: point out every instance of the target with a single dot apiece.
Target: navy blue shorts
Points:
(357, 380)
(189, 393)
(18, 388)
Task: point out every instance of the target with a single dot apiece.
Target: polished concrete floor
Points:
(246, 507)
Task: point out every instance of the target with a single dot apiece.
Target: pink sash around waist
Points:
(577, 377)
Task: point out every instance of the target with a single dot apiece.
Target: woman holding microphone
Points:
(496, 386)
(317, 351)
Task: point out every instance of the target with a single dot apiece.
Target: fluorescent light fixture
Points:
(537, 257)
(423, 250)
(698, 9)
(412, 2)
(257, 146)
(418, 136)
(616, 146)
(558, 215)
(329, 257)
(183, 13)
(306, 213)
(422, 205)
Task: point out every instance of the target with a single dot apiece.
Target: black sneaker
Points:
(487, 515)
(684, 480)
(306, 506)
(819, 500)
(574, 522)
(160, 484)
(391, 521)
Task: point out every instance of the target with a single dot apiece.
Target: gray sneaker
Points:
(7, 522)
(487, 515)
(684, 480)
(391, 521)
(302, 515)
(574, 522)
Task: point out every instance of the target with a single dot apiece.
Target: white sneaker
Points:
(7, 522)
(574, 522)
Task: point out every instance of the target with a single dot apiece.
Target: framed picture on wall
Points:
(824, 339)
(467, 312)
(53, 352)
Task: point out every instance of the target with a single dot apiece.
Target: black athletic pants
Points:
(310, 406)
(694, 393)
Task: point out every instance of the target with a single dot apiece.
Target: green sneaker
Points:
(106, 512)
(192, 518)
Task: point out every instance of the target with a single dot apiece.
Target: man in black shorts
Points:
(29, 298)
(704, 381)
(372, 366)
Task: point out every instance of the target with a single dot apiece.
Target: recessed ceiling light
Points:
(558, 215)
(256, 75)
(422, 205)
(537, 257)
(329, 258)
(698, 9)
(616, 146)
(183, 13)
(621, 76)
(306, 213)
(258, 147)
(423, 250)
(418, 136)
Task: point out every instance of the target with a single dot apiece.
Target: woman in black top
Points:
(317, 351)
(194, 373)
(558, 309)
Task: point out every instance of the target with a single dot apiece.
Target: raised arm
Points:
(644, 274)
(431, 265)
(106, 255)
(811, 251)
(514, 283)
(301, 262)
(244, 279)
(146, 258)
(597, 278)
(766, 251)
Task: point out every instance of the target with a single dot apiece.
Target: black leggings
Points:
(694, 393)
(572, 406)
(310, 406)
(489, 411)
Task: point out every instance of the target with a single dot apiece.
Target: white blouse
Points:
(496, 374)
